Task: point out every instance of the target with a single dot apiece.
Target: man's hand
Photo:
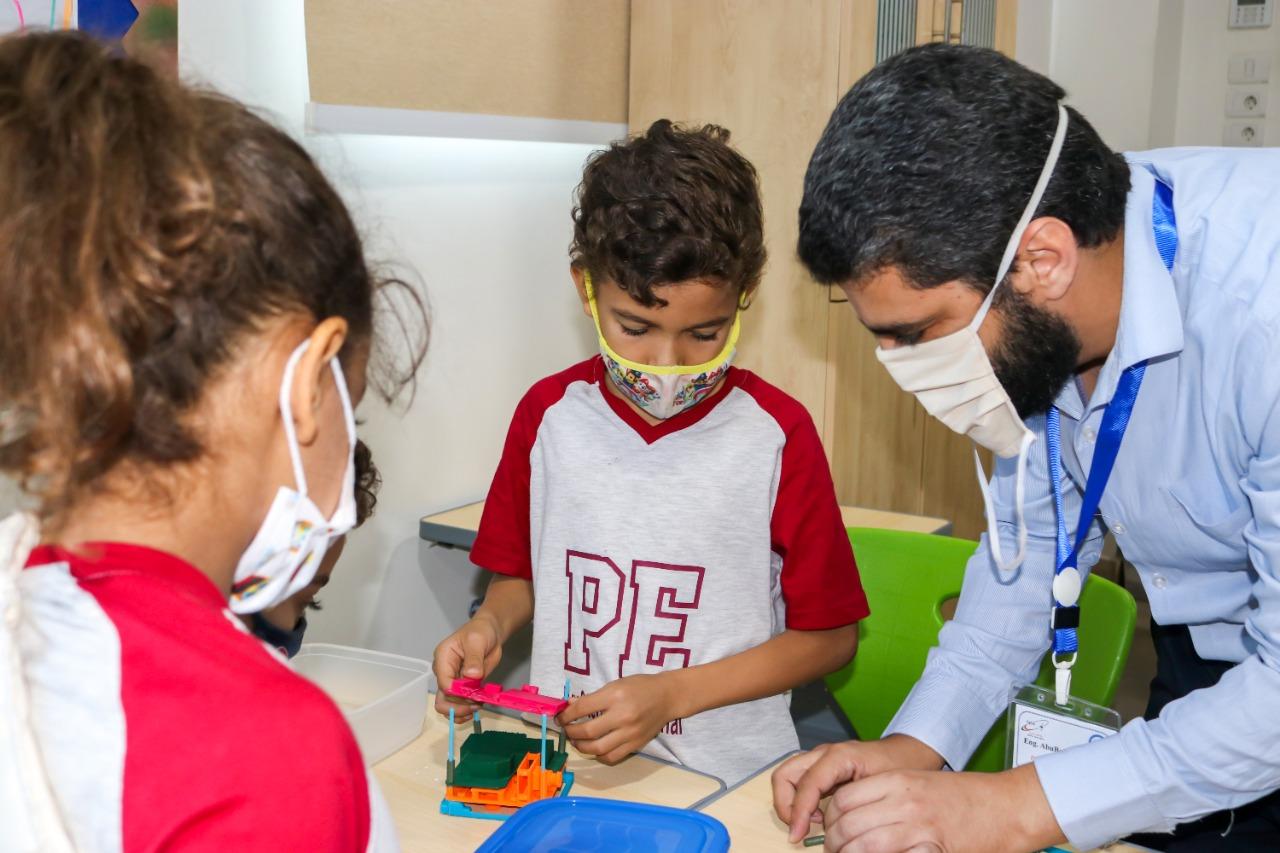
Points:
(624, 715)
(920, 810)
(802, 781)
(470, 652)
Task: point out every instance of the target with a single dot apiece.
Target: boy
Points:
(671, 530)
(283, 626)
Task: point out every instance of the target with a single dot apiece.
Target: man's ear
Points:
(1047, 260)
(580, 283)
(309, 378)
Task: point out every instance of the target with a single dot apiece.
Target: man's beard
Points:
(1037, 355)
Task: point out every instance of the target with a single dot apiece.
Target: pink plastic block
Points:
(526, 700)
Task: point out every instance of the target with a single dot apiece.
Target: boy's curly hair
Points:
(669, 205)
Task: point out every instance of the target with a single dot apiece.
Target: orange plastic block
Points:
(529, 783)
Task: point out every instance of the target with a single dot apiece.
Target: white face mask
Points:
(953, 379)
(287, 550)
(663, 391)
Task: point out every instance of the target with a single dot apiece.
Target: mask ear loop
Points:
(1006, 261)
(731, 345)
(1011, 250)
(1020, 484)
(286, 412)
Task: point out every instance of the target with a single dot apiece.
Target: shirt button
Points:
(1118, 529)
(1159, 581)
(1090, 434)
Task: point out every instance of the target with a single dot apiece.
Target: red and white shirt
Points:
(164, 725)
(654, 547)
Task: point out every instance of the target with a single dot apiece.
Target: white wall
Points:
(1207, 45)
(1147, 73)
(483, 227)
(1101, 52)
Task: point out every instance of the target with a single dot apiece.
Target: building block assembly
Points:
(501, 771)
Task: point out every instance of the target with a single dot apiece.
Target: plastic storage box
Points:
(383, 696)
(590, 825)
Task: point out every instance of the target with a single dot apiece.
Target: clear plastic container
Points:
(383, 696)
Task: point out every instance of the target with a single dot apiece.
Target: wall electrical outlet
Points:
(1246, 101)
(1243, 134)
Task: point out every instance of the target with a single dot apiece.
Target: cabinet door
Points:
(549, 59)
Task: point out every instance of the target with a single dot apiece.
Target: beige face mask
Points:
(953, 379)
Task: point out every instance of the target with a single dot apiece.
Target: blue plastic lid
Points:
(584, 824)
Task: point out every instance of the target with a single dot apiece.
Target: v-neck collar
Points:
(683, 420)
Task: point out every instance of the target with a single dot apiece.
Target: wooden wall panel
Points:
(878, 430)
(772, 73)
(559, 59)
(857, 41)
(768, 72)
(1007, 27)
(875, 432)
(950, 484)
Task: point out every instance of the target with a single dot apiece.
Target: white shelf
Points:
(386, 121)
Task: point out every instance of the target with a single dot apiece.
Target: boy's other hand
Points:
(801, 782)
(470, 652)
(621, 717)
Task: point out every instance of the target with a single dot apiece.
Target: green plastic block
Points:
(490, 759)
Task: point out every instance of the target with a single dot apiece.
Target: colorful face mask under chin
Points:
(663, 391)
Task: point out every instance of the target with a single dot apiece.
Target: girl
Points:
(185, 321)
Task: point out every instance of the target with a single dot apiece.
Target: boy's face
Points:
(286, 614)
(690, 329)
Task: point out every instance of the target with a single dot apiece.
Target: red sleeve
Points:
(502, 543)
(820, 582)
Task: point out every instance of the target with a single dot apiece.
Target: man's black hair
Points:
(930, 158)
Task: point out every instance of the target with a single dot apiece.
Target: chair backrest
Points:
(907, 577)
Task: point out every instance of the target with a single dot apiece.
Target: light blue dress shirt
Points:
(1193, 501)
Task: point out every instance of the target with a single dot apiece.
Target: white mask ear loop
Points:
(1011, 250)
(286, 411)
(1006, 261)
(1019, 489)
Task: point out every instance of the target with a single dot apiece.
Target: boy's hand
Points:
(470, 652)
(631, 711)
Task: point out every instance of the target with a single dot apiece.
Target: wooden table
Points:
(457, 527)
(412, 780)
(747, 811)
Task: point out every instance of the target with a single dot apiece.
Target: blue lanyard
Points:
(1066, 615)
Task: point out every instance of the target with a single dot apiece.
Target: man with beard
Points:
(1040, 293)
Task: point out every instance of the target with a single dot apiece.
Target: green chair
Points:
(907, 577)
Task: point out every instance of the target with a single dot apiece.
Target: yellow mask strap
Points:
(656, 369)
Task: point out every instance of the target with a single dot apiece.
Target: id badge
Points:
(1038, 725)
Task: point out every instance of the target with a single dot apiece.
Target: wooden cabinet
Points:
(772, 73)
(532, 69)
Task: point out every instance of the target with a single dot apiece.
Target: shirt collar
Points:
(1150, 314)
(99, 559)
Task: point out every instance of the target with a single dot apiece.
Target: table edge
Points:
(725, 791)
(445, 534)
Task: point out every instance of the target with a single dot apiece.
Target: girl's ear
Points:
(309, 383)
